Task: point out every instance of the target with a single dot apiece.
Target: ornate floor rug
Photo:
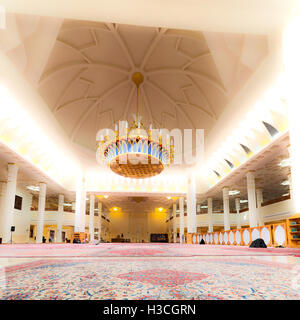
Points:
(150, 278)
(136, 249)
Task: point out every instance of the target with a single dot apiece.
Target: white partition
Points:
(238, 237)
(246, 237)
(207, 238)
(279, 235)
(225, 237)
(254, 234)
(221, 237)
(231, 237)
(265, 235)
(216, 238)
(194, 239)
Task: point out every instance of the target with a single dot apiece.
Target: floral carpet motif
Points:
(137, 252)
(166, 278)
(150, 278)
(136, 249)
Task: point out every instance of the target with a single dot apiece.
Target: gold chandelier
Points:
(136, 153)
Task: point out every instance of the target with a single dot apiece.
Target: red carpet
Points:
(136, 249)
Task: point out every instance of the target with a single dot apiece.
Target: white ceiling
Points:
(247, 16)
(137, 204)
(268, 175)
(190, 76)
(27, 174)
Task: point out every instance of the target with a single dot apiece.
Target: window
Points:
(18, 202)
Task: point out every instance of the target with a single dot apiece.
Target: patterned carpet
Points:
(149, 278)
(146, 271)
(136, 249)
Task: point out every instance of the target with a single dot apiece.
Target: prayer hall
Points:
(149, 150)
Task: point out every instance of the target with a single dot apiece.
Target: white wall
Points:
(21, 219)
(273, 212)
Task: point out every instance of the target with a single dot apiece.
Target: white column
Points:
(2, 197)
(83, 207)
(169, 225)
(28, 220)
(99, 219)
(174, 223)
(210, 214)
(290, 58)
(91, 222)
(290, 186)
(290, 177)
(41, 213)
(9, 202)
(80, 206)
(60, 213)
(238, 215)
(181, 209)
(226, 208)
(259, 200)
(191, 205)
(251, 199)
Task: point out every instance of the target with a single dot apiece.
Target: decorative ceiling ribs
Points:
(92, 107)
(89, 70)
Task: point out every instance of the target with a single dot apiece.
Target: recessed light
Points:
(285, 183)
(233, 192)
(204, 207)
(33, 188)
(285, 162)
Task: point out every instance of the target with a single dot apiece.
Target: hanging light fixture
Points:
(138, 153)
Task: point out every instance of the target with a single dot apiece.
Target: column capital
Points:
(42, 186)
(225, 191)
(12, 169)
(61, 199)
(12, 164)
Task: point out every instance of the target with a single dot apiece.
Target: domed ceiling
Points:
(83, 71)
(87, 80)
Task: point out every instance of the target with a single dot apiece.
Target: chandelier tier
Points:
(136, 153)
